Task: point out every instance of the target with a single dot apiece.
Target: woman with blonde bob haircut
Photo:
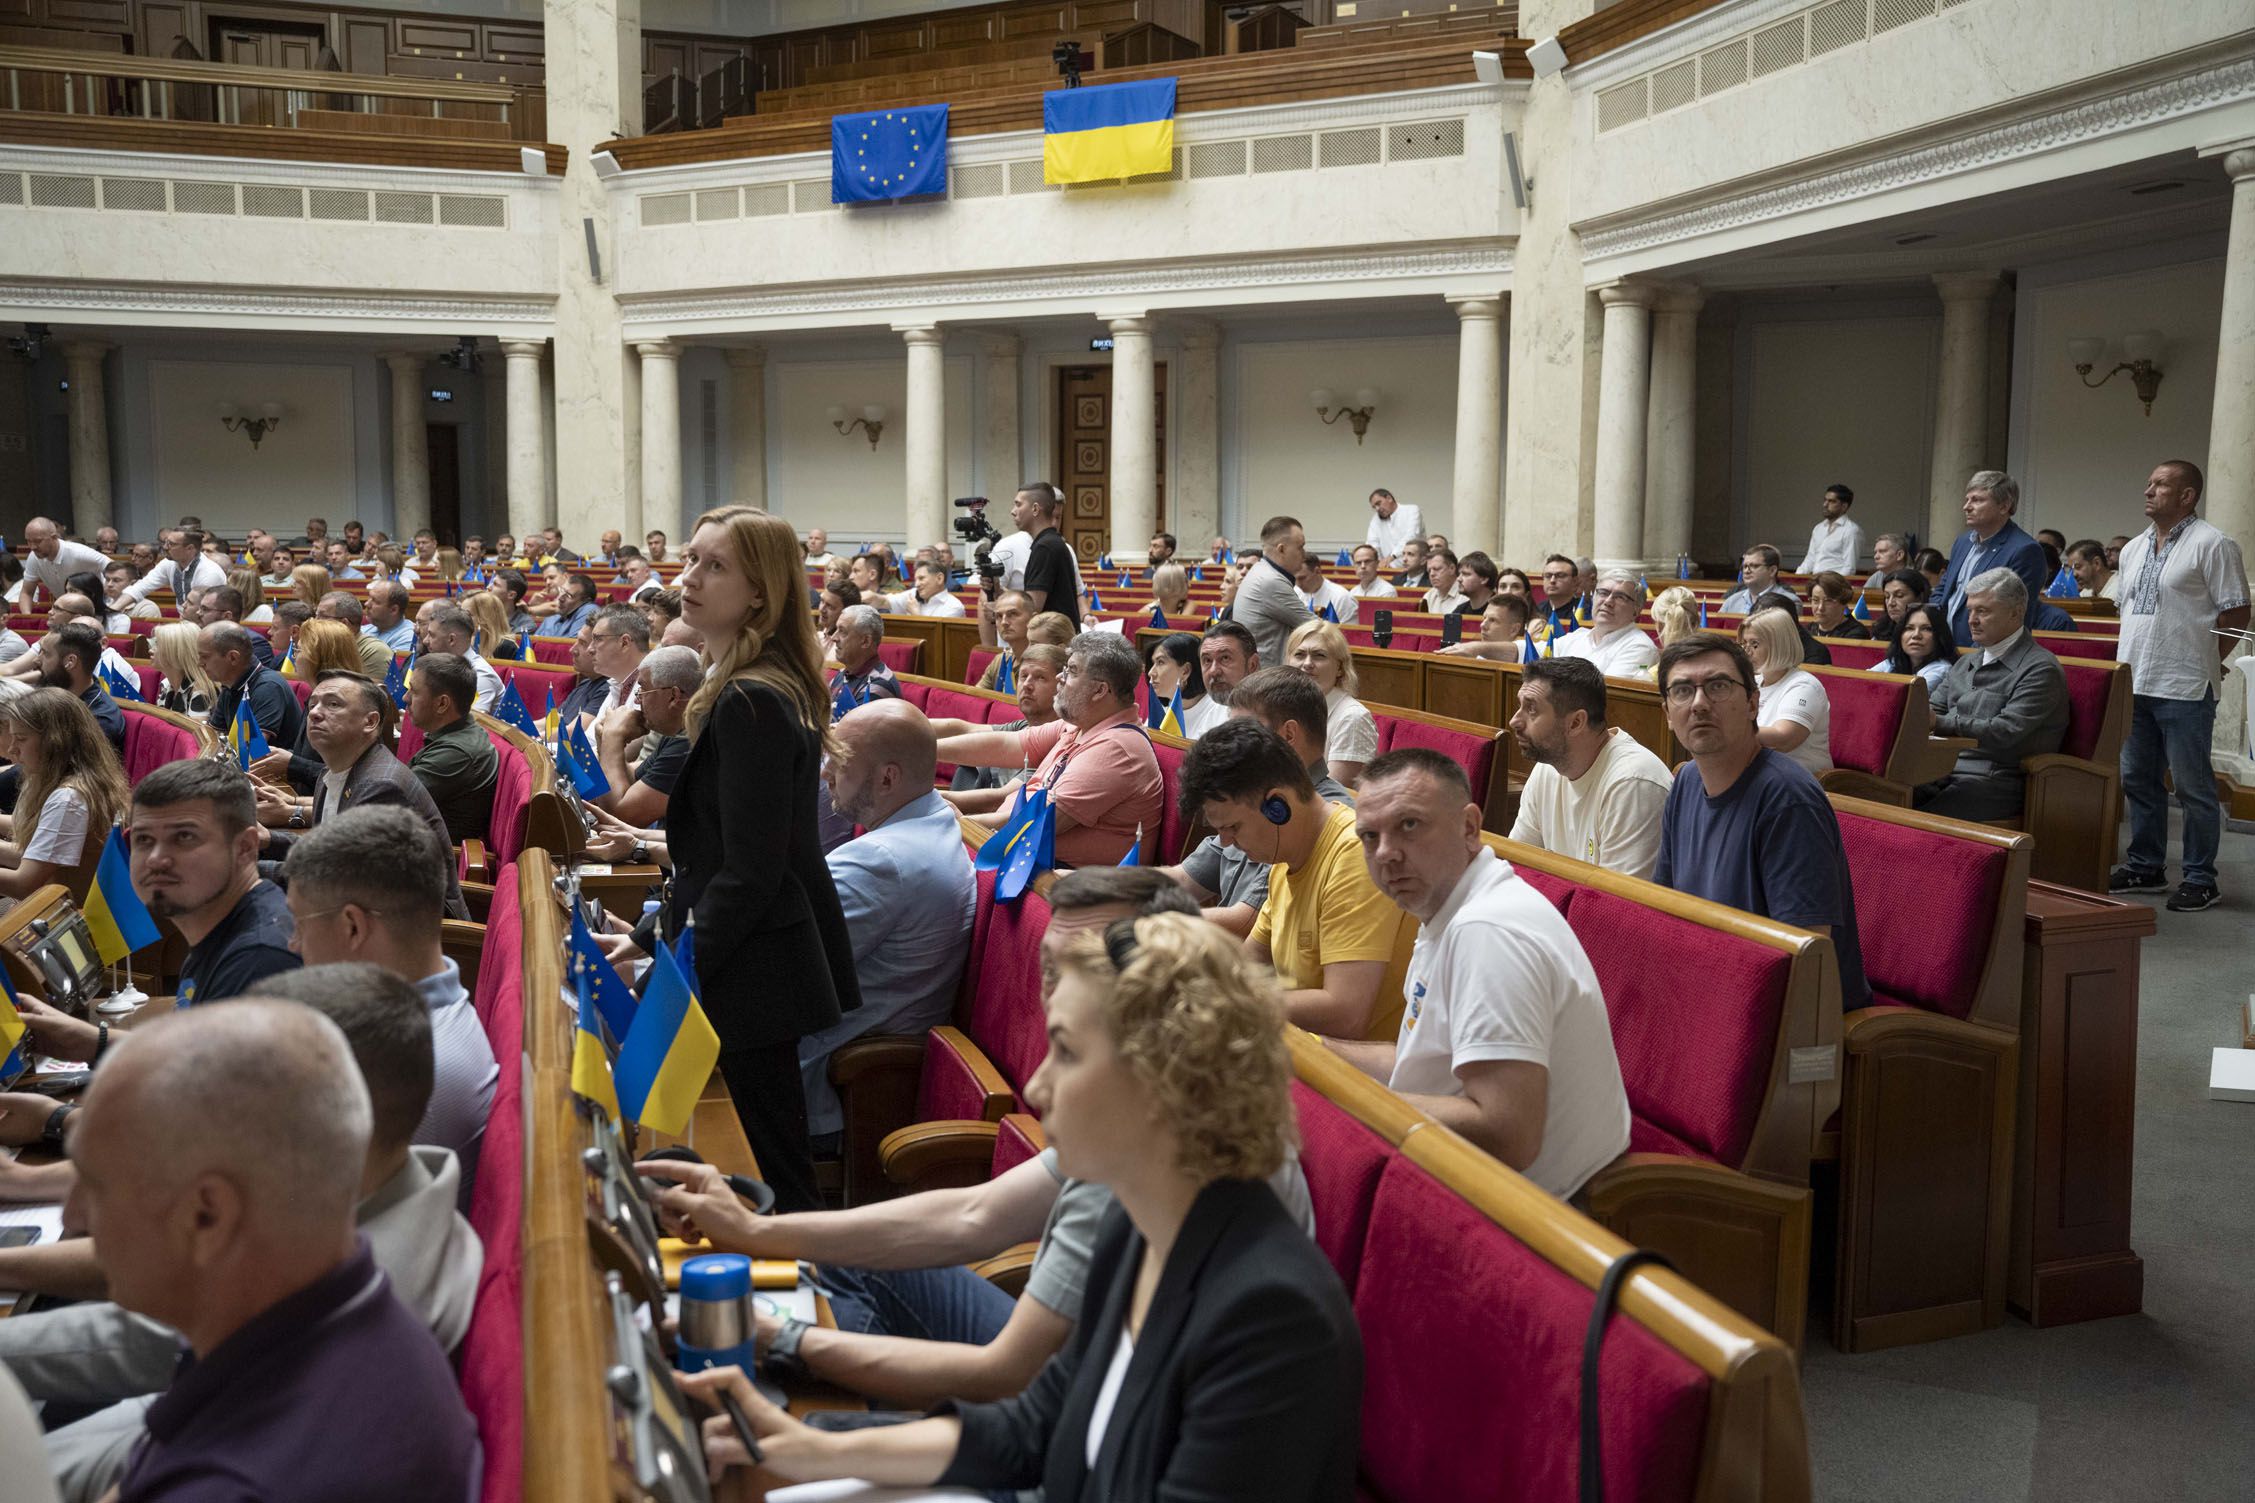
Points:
(1166, 1081)
(1350, 738)
(73, 790)
(309, 582)
(774, 959)
(495, 639)
(1794, 712)
(183, 686)
(256, 612)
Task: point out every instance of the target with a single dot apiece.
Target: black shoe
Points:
(2132, 879)
(2191, 897)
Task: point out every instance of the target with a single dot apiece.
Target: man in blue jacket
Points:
(1992, 541)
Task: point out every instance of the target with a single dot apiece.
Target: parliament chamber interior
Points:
(1549, 809)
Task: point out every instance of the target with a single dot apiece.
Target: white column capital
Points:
(1628, 293)
(1478, 305)
(1965, 286)
(407, 363)
(524, 349)
(745, 357)
(657, 349)
(1680, 297)
(2239, 163)
(1130, 324)
(920, 333)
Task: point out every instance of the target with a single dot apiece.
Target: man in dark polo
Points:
(456, 762)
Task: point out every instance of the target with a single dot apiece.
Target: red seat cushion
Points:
(536, 683)
(1557, 889)
(1695, 1018)
(919, 695)
(152, 680)
(901, 657)
(2087, 688)
(410, 740)
(492, 1358)
(150, 742)
(1648, 1137)
(1853, 652)
(977, 667)
(1867, 715)
(512, 800)
(554, 651)
(1171, 821)
(1011, 1146)
(1476, 754)
(1003, 1014)
(1473, 1343)
(2068, 646)
(1342, 1160)
(303, 689)
(1926, 907)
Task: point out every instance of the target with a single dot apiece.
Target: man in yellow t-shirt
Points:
(1326, 927)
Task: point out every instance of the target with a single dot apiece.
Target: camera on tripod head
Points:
(976, 530)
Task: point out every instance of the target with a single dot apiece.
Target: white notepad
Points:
(2231, 1075)
(867, 1492)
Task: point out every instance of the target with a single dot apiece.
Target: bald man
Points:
(905, 884)
(54, 559)
(221, 1155)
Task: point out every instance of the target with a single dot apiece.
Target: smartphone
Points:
(18, 1236)
(1382, 627)
(61, 1084)
(1452, 629)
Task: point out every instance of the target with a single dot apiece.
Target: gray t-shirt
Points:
(1060, 1273)
(1238, 878)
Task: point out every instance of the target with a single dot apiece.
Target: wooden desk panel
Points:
(1471, 689)
(1387, 677)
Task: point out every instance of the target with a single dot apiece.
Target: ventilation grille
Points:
(1621, 104)
(1026, 177)
(204, 198)
(763, 199)
(148, 195)
(1360, 147)
(1214, 159)
(51, 192)
(665, 208)
(1834, 26)
(472, 212)
(1886, 15)
(339, 204)
(984, 180)
(272, 201)
(11, 187)
(403, 208)
(1778, 46)
(811, 195)
(140, 194)
(718, 203)
(1283, 153)
(1722, 67)
(1675, 87)
(1425, 140)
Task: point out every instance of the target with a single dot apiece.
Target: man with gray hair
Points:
(1992, 540)
(2010, 696)
(617, 641)
(221, 1156)
(444, 626)
(343, 608)
(664, 682)
(862, 675)
(1887, 555)
(1095, 759)
(1612, 640)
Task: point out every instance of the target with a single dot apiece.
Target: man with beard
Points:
(1596, 792)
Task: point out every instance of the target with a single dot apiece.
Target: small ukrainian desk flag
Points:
(114, 911)
(895, 153)
(1107, 131)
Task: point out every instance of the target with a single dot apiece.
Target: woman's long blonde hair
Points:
(1675, 610)
(309, 582)
(245, 582)
(73, 753)
(492, 620)
(325, 646)
(775, 645)
(173, 647)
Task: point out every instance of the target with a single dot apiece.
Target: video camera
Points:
(977, 531)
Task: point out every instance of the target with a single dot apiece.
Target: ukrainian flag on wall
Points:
(1107, 131)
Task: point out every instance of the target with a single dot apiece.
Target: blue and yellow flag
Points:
(669, 1051)
(1170, 720)
(114, 911)
(13, 1061)
(576, 760)
(288, 667)
(591, 1072)
(512, 710)
(395, 683)
(885, 154)
(1527, 650)
(244, 738)
(120, 686)
(1134, 857)
(1006, 677)
(1107, 131)
(614, 1004)
(548, 718)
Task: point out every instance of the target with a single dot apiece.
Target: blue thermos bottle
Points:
(716, 1328)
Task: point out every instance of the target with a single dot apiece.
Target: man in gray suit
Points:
(2008, 693)
(1266, 600)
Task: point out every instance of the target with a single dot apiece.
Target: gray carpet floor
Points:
(2158, 1405)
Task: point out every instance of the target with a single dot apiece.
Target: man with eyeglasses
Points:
(1612, 640)
(657, 716)
(1554, 613)
(1747, 826)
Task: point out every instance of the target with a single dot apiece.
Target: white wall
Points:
(1830, 400)
(819, 479)
(304, 468)
(2082, 456)
(1278, 457)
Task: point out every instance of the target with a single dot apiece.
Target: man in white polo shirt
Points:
(1392, 524)
(1504, 1038)
(1612, 640)
(1596, 792)
(2183, 579)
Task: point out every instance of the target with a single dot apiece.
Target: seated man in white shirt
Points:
(1835, 543)
(1369, 583)
(1596, 792)
(1392, 524)
(443, 626)
(1504, 1038)
(1320, 592)
(930, 595)
(1612, 640)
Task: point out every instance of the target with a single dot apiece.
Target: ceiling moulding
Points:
(2024, 128)
(79, 161)
(87, 301)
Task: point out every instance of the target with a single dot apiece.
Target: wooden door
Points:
(1084, 456)
(445, 448)
(265, 44)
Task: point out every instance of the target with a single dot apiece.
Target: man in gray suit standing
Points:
(2008, 693)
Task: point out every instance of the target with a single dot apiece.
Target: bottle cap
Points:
(716, 1276)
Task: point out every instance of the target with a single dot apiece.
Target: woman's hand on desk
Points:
(697, 1203)
(57, 1034)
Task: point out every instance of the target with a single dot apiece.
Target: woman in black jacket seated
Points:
(774, 961)
(1217, 1356)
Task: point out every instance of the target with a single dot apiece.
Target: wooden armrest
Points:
(876, 1077)
(1871, 1030)
(999, 1097)
(1850, 783)
(463, 944)
(875, 1054)
(938, 1155)
(477, 861)
(2073, 806)
(1007, 1271)
(479, 898)
(1744, 1240)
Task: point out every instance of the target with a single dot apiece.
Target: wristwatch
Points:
(52, 1133)
(783, 1362)
(297, 816)
(640, 855)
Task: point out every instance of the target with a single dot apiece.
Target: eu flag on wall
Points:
(895, 153)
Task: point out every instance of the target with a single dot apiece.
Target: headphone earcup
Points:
(1275, 810)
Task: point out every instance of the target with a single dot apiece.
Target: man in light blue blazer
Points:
(1992, 540)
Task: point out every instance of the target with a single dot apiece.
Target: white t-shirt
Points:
(2166, 629)
(1609, 816)
(906, 604)
(1350, 732)
(1387, 534)
(1497, 974)
(70, 558)
(1800, 698)
(61, 836)
(1343, 605)
(1108, 1396)
(1377, 589)
(1619, 653)
(1202, 717)
(1440, 605)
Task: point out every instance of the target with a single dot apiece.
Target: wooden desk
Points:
(2071, 1258)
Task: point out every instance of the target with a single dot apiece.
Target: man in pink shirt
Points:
(1095, 759)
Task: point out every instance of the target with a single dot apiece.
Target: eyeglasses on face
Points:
(1719, 690)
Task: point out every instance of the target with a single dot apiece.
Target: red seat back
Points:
(1171, 821)
(1867, 716)
(1557, 889)
(980, 657)
(512, 800)
(536, 683)
(1854, 652)
(901, 657)
(1473, 1344)
(410, 740)
(1001, 1010)
(554, 651)
(2088, 685)
(1342, 1160)
(493, 1349)
(2070, 645)
(152, 681)
(151, 741)
(1011, 1146)
(919, 695)
(1926, 908)
(1695, 1016)
(1475, 753)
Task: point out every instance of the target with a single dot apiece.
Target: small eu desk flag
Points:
(1107, 131)
(895, 153)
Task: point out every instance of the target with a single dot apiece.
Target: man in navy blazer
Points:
(1992, 541)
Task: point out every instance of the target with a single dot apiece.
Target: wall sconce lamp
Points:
(2141, 356)
(238, 421)
(871, 421)
(1366, 403)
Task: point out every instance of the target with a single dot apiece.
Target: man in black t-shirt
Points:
(1052, 579)
(659, 718)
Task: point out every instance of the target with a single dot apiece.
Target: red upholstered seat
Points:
(1695, 1016)
(492, 1357)
(1648, 1137)
(410, 740)
(1476, 754)
(977, 667)
(2087, 688)
(1011, 1146)
(1867, 715)
(954, 704)
(998, 1009)
(1926, 908)
(1557, 889)
(535, 684)
(150, 742)
(901, 657)
(1473, 1345)
(152, 681)
(303, 689)
(512, 800)
(1171, 823)
(2076, 644)
(556, 651)
(1852, 652)
(1342, 1160)
(919, 695)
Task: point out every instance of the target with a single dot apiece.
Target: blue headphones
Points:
(1275, 810)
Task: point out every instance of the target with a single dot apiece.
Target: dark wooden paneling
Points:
(367, 43)
(16, 10)
(664, 57)
(102, 15)
(962, 31)
(515, 43)
(1032, 20)
(159, 24)
(457, 39)
(894, 39)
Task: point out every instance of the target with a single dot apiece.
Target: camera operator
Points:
(1052, 577)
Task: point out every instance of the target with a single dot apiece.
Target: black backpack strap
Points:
(1593, 1347)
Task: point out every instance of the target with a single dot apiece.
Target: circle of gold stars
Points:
(870, 173)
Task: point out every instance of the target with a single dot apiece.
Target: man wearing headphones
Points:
(1326, 928)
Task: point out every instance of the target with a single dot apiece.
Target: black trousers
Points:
(771, 1103)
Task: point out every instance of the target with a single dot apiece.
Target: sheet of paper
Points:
(866, 1492)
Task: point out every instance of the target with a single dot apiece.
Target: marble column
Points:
(747, 425)
(661, 434)
(1135, 453)
(1001, 452)
(528, 449)
(1194, 508)
(1624, 389)
(91, 503)
(1476, 486)
(493, 454)
(924, 434)
(410, 447)
(1961, 402)
(1671, 429)
(547, 443)
(2230, 501)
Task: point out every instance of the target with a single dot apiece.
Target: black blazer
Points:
(1246, 1383)
(377, 778)
(774, 961)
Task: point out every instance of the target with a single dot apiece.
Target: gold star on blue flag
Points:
(888, 154)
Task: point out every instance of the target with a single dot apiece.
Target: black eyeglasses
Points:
(1718, 690)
